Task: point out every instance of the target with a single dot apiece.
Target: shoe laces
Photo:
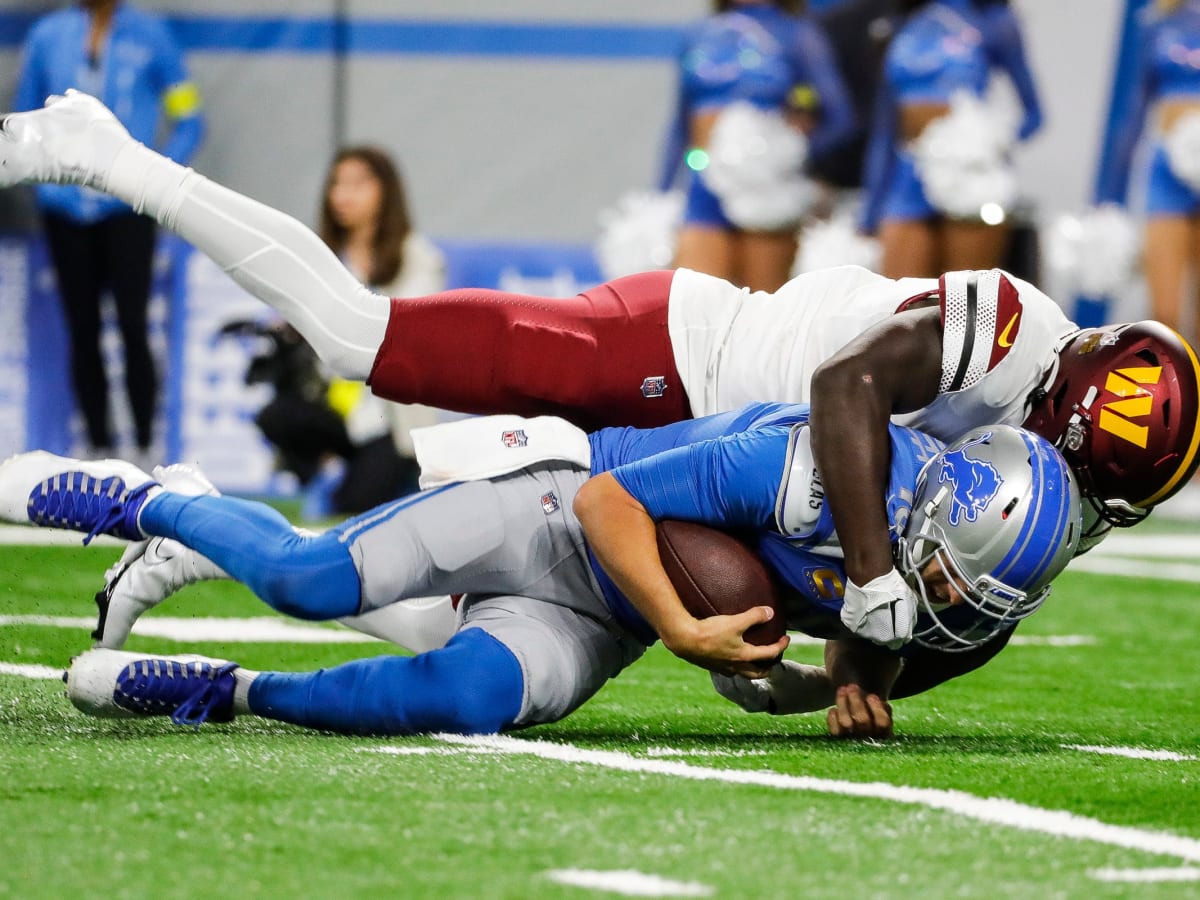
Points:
(78, 500)
(191, 691)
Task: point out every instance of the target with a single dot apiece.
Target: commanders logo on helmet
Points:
(1122, 409)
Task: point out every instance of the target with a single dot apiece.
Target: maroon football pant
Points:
(600, 358)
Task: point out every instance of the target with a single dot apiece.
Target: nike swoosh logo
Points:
(1005, 339)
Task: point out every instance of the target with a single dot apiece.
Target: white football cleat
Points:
(93, 496)
(190, 689)
(150, 571)
(71, 140)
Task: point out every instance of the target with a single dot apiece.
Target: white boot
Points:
(150, 571)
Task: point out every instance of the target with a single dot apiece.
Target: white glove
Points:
(790, 687)
(883, 610)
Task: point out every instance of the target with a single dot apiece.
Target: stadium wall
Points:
(515, 125)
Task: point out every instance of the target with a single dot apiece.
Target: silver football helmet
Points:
(999, 512)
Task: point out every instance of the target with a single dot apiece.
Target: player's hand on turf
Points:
(859, 715)
(716, 644)
(883, 610)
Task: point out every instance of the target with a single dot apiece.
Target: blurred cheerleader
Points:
(763, 64)
(1167, 77)
(924, 197)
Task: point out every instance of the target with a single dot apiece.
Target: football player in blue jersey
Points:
(550, 532)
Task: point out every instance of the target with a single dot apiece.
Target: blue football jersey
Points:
(751, 470)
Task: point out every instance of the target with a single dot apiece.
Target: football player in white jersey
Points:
(946, 355)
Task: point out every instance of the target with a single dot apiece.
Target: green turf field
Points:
(984, 793)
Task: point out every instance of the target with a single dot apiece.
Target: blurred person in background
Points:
(1166, 77)
(350, 449)
(128, 58)
(859, 32)
(760, 52)
(940, 50)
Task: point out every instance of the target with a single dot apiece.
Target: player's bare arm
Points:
(892, 368)
(621, 534)
(863, 674)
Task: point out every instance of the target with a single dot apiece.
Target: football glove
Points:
(883, 610)
(790, 687)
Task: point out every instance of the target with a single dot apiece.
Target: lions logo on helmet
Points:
(1122, 408)
(973, 482)
(1000, 512)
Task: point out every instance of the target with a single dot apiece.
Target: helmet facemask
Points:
(988, 606)
(996, 514)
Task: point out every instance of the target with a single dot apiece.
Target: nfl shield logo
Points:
(549, 503)
(654, 386)
(514, 438)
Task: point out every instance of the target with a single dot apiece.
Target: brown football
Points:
(715, 574)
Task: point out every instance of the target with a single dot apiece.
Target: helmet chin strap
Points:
(1042, 391)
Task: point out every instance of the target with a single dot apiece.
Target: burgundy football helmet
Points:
(1122, 408)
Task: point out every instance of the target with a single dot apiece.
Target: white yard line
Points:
(256, 630)
(268, 630)
(993, 810)
(629, 883)
(1051, 640)
(40, 673)
(21, 535)
(1126, 542)
(1183, 873)
(1131, 752)
(1132, 568)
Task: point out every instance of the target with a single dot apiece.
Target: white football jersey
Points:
(733, 346)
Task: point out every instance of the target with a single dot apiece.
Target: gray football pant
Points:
(515, 547)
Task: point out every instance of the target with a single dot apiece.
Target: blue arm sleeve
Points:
(1112, 183)
(1008, 51)
(730, 482)
(187, 127)
(880, 158)
(837, 121)
(31, 88)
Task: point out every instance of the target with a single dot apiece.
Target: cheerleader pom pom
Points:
(777, 207)
(639, 233)
(836, 242)
(755, 165)
(963, 158)
(1182, 145)
(1094, 254)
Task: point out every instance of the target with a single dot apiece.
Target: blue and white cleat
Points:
(101, 497)
(190, 689)
(74, 139)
